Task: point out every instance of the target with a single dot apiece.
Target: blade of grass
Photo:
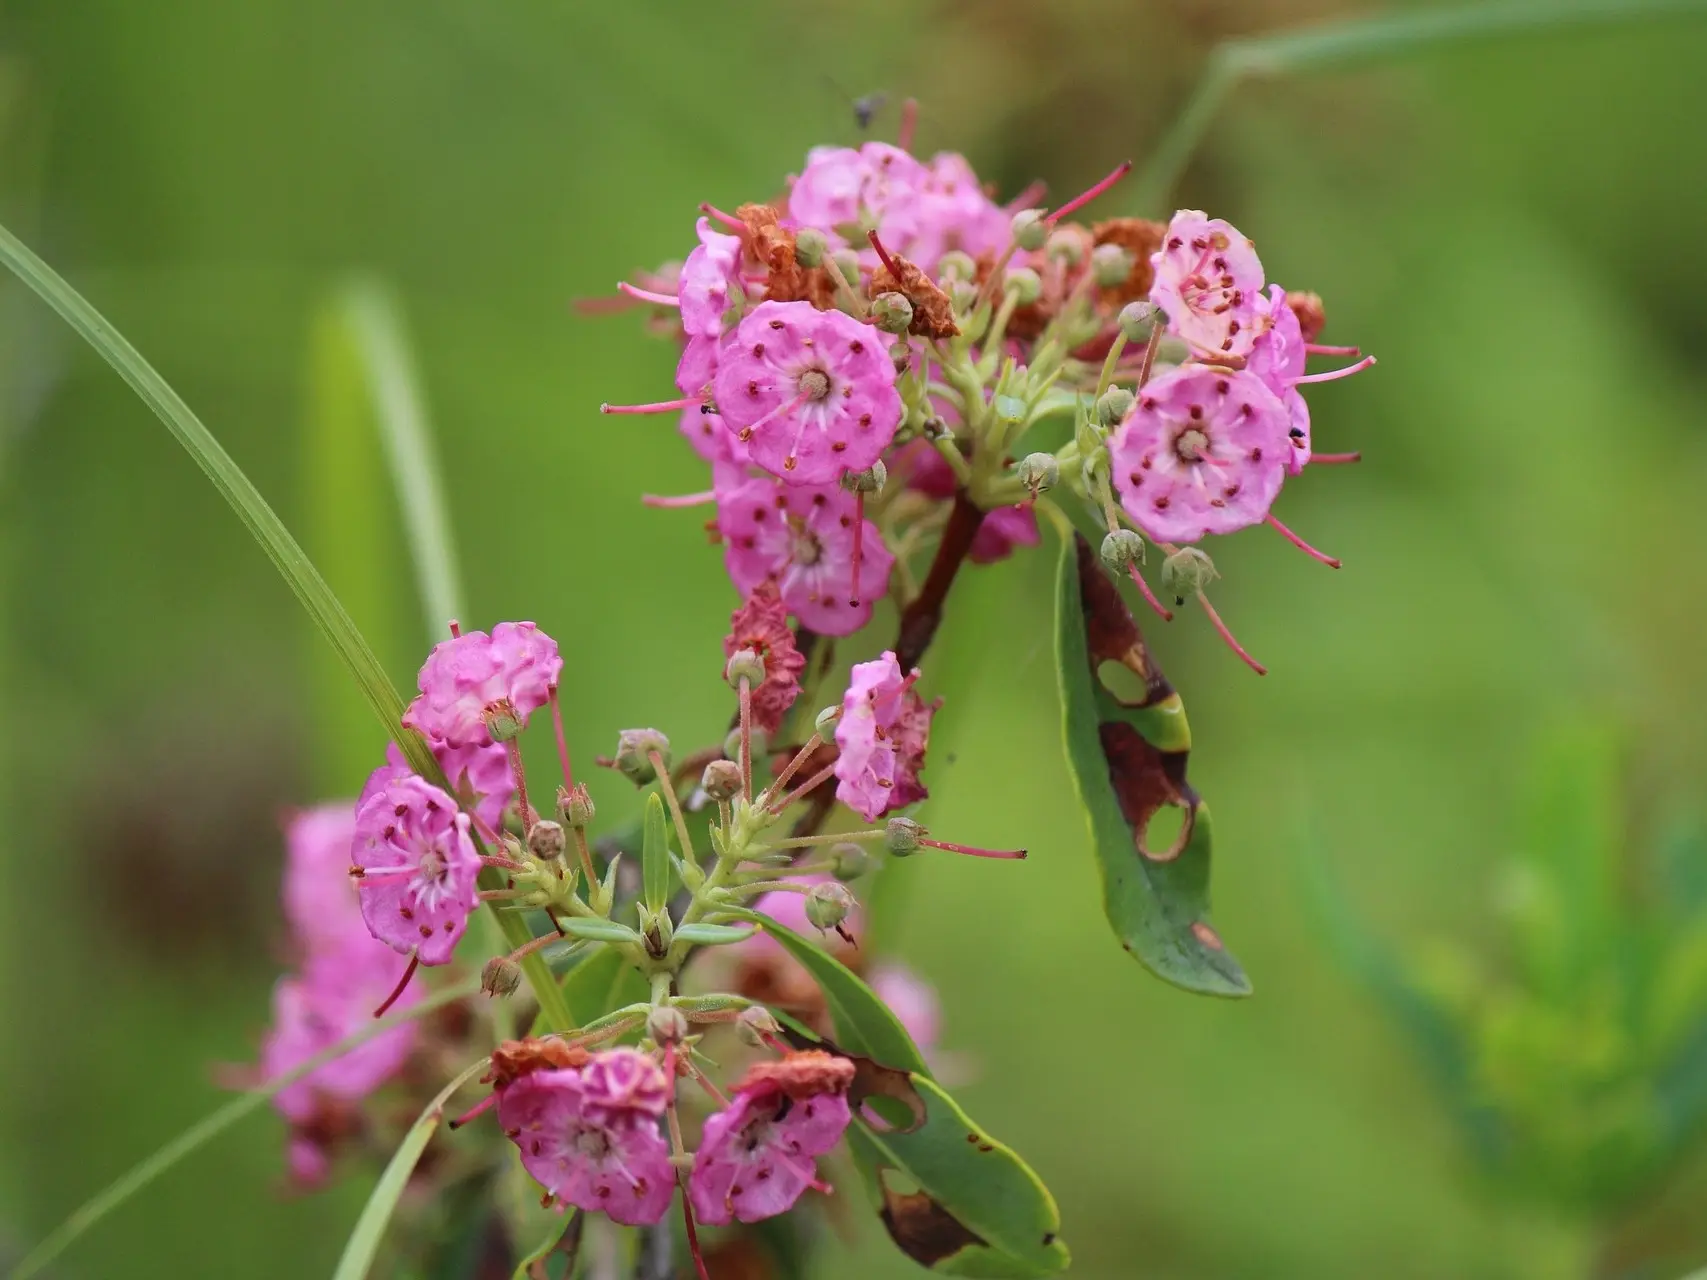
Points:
(363, 1244)
(1363, 40)
(205, 1130)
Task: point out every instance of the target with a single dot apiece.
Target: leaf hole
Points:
(1125, 684)
(886, 1115)
(1163, 837)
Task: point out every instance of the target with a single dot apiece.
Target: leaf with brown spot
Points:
(926, 1232)
(1128, 761)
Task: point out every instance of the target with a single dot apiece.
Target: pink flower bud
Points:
(475, 680)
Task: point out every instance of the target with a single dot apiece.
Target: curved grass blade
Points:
(205, 1130)
(1128, 762)
(363, 1244)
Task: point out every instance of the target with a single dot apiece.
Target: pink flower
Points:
(811, 393)
(761, 624)
(758, 1156)
(1209, 281)
(475, 678)
(703, 427)
(710, 281)
(882, 736)
(333, 999)
(803, 539)
(1202, 451)
(319, 900)
(418, 868)
(911, 999)
(613, 1161)
(1002, 529)
(875, 188)
(952, 212)
(479, 775)
(625, 1080)
(1278, 358)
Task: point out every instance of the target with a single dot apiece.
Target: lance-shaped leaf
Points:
(655, 855)
(1128, 761)
(952, 1197)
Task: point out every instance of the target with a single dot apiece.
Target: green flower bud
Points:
(721, 780)
(1066, 247)
(891, 312)
(756, 1025)
(501, 722)
(1122, 549)
(633, 746)
(546, 839)
(1187, 572)
(1025, 284)
(849, 861)
(1138, 318)
(732, 745)
(1114, 405)
(956, 265)
(825, 723)
(827, 905)
(901, 836)
(848, 261)
(1030, 230)
(870, 480)
(666, 1025)
(500, 977)
(1038, 472)
(961, 295)
(744, 664)
(575, 805)
(901, 354)
(1111, 264)
(810, 246)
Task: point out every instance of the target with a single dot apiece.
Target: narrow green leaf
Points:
(363, 1244)
(713, 935)
(205, 1130)
(563, 1238)
(600, 930)
(655, 855)
(602, 982)
(1128, 761)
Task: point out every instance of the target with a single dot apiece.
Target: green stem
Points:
(1362, 40)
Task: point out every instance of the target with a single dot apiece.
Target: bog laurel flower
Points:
(710, 282)
(810, 393)
(1209, 281)
(758, 1155)
(320, 902)
(478, 688)
(415, 868)
(479, 776)
(882, 735)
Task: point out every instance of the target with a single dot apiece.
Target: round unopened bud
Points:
(847, 261)
(501, 722)
(634, 747)
(849, 861)
(1030, 230)
(891, 312)
(575, 805)
(935, 428)
(824, 723)
(1038, 472)
(1025, 284)
(1136, 319)
(870, 480)
(901, 354)
(961, 295)
(1066, 247)
(721, 780)
(956, 264)
(500, 977)
(1122, 549)
(827, 905)
(756, 1025)
(1187, 572)
(546, 839)
(666, 1025)
(744, 664)
(1111, 264)
(901, 836)
(810, 246)
(1113, 405)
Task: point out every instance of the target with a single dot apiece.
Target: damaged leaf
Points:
(1128, 761)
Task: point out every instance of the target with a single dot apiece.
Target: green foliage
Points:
(655, 869)
(1128, 760)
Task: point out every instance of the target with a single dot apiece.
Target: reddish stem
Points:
(514, 748)
(970, 851)
(693, 1233)
(746, 739)
(1085, 197)
(883, 254)
(1149, 596)
(562, 742)
(923, 614)
(816, 780)
(409, 972)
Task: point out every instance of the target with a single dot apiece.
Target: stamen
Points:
(1303, 546)
(562, 742)
(679, 500)
(1227, 636)
(1317, 349)
(1335, 459)
(478, 1109)
(1027, 198)
(647, 295)
(970, 851)
(409, 972)
(1334, 374)
(693, 1234)
(455, 629)
(1149, 596)
(884, 255)
(657, 406)
(1084, 198)
(727, 219)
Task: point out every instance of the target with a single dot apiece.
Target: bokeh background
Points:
(1516, 228)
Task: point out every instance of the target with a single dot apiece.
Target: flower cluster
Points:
(861, 360)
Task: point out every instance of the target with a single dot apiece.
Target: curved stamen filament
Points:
(679, 500)
(1333, 375)
(657, 406)
(408, 973)
(1149, 596)
(648, 295)
(1227, 636)
(1303, 546)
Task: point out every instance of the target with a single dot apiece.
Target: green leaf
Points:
(602, 982)
(975, 1208)
(363, 1244)
(600, 930)
(205, 1130)
(564, 1238)
(1128, 761)
(655, 855)
(713, 935)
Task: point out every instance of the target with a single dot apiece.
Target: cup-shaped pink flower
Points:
(710, 282)
(758, 1155)
(803, 540)
(479, 776)
(952, 211)
(417, 868)
(1209, 281)
(320, 903)
(810, 393)
(625, 1079)
(1279, 358)
(881, 739)
(1202, 451)
(475, 679)
(849, 192)
(613, 1162)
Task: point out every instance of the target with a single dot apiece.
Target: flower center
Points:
(814, 384)
(593, 1143)
(804, 548)
(1191, 445)
(433, 865)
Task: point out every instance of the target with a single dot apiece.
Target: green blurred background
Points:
(1515, 228)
